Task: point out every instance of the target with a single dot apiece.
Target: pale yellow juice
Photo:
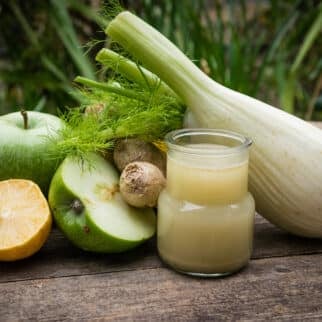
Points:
(207, 181)
(205, 214)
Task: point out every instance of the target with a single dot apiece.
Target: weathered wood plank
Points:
(59, 258)
(270, 241)
(288, 288)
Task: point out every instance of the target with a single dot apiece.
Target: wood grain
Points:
(58, 258)
(287, 288)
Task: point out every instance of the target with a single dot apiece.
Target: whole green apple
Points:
(89, 209)
(24, 146)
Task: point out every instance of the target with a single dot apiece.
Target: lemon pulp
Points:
(25, 219)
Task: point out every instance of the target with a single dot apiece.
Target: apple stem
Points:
(25, 118)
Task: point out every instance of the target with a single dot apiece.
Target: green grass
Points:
(266, 49)
(272, 54)
(44, 51)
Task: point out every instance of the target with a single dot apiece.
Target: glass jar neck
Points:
(207, 166)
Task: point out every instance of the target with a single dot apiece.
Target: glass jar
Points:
(205, 213)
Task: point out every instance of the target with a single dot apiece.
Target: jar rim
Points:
(172, 137)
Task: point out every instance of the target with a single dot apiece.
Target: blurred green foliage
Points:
(267, 49)
(42, 50)
(271, 50)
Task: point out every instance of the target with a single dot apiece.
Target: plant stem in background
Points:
(43, 53)
(249, 46)
(316, 93)
(47, 62)
(64, 27)
(288, 99)
(88, 12)
(34, 41)
(287, 25)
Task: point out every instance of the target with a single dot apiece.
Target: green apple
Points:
(88, 208)
(24, 146)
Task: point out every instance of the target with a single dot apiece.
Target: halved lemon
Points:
(25, 219)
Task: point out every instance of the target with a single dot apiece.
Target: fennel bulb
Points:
(286, 158)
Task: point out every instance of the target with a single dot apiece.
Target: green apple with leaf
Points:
(87, 206)
(24, 145)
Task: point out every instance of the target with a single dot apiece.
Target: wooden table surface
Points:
(283, 281)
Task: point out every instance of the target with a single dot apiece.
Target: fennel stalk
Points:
(286, 158)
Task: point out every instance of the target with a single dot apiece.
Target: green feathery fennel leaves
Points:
(131, 102)
(107, 115)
